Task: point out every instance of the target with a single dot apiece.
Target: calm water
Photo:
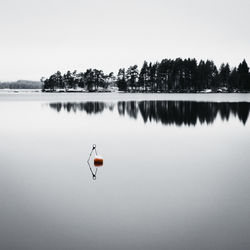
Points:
(176, 171)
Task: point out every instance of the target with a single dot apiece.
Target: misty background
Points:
(40, 37)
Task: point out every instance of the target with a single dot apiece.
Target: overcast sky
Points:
(39, 37)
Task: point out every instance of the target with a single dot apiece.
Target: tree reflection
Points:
(88, 107)
(166, 112)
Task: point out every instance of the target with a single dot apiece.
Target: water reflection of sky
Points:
(166, 112)
(161, 187)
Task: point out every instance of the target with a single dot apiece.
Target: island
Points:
(168, 76)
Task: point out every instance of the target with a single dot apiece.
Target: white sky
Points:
(37, 38)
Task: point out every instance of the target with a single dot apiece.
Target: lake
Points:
(176, 171)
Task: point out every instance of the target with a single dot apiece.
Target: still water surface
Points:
(176, 171)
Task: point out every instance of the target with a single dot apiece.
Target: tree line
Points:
(169, 75)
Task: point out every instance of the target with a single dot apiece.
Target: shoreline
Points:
(121, 92)
(38, 96)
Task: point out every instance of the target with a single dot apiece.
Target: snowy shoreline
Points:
(38, 96)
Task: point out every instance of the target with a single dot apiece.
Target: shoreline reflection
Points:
(166, 112)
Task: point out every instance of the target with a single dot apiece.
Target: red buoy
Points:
(98, 161)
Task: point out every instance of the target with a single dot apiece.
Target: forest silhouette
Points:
(174, 76)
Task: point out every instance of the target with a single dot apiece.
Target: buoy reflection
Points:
(93, 171)
(98, 162)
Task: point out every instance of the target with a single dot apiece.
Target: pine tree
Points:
(233, 80)
(121, 80)
(132, 76)
(143, 76)
(244, 80)
(224, 73)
